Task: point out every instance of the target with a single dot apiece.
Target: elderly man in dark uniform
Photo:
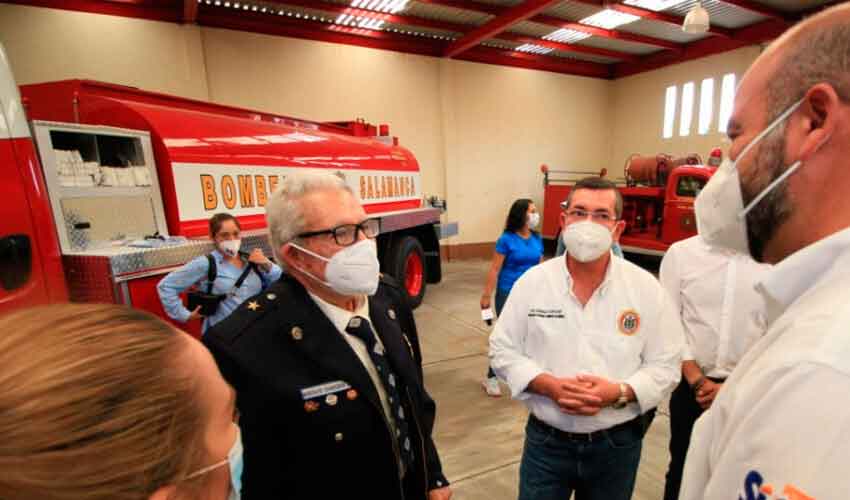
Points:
(326, 362)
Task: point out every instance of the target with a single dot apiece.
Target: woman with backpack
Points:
(226, 277)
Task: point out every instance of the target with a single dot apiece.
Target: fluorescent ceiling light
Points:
(656, 5)
(533, 49)
(609, 19)
(387, 6)
(566, 36)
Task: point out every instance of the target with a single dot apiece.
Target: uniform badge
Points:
(296, 333)
(331, 399)
(351, 395)
(629, 322)
(311, 406)
(253, 305)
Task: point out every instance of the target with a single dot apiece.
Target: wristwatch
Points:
(623, 400)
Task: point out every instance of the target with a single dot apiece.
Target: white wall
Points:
(47, 44)
(501, 124)
(637, 107)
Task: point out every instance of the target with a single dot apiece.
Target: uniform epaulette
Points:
(247, 314)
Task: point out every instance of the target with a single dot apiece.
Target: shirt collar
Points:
(609, 272)
(217, 255)
(338, 316)
(788, 280)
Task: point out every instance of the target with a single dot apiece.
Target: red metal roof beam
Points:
(501, 23)
(612, 34)
(561, 23)
(758, 8)
(664, 18)
(569, 47)
(536, 62)
(190, 11)
(333, 8)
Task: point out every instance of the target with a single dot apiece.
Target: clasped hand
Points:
(583, 395)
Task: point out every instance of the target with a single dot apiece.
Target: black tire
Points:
(397, 266)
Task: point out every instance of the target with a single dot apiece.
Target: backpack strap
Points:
(250, 267)
(212, 272)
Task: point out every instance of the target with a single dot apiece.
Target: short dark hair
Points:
(598, 184)
(218, 219)
(517, 215)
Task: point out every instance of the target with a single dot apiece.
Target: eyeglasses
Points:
(596, 216)
(346, 234)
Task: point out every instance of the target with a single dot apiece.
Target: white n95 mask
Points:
(720, 211)
(230, 247)
(354, 270)
(587, 241)
(533, 220)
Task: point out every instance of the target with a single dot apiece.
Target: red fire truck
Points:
(658, 199)
(92, 170)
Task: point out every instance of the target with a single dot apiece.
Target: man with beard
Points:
(781, 424)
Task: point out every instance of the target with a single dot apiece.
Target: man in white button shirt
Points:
(780, 428)
(591, 345)
(722, 314)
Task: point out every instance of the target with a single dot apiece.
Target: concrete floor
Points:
(480, 438)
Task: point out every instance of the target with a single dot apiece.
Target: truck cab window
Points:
(689, 186)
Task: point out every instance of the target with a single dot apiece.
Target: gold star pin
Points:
(253, 305)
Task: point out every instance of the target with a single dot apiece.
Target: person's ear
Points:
(820, 116)
(290, 255)
(619, 227)
(164, 493)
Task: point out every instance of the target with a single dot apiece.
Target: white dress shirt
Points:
(340, 319)
(783, 417)
(714, 292)
(627, 332)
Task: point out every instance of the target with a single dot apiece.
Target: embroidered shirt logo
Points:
(756, 489)
(629, 322)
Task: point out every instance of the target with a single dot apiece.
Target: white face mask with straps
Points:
(354, 270)
(720, 211)
(230, 247)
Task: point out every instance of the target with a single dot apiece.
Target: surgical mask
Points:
(533, 220)
(720, 211)
(587, 241)
(234, 460)
(354, 270)
(230, 247)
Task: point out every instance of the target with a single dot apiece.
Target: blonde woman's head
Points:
(108, 402)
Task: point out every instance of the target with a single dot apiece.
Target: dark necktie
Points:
(360, 328)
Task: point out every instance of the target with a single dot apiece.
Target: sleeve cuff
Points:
(519, 377)
(687, 354)
(183, 315)
(646, 394)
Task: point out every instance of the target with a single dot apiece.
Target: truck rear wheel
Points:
(407, 264)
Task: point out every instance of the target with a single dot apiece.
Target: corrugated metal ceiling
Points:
(721, 13)
(456, 19)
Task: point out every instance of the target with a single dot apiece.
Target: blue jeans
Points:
(501, 298)
(555, 466)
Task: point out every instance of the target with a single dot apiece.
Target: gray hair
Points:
(284, 213)
(819, 55)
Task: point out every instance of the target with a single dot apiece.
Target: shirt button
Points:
(439, 483)
(338, 437)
